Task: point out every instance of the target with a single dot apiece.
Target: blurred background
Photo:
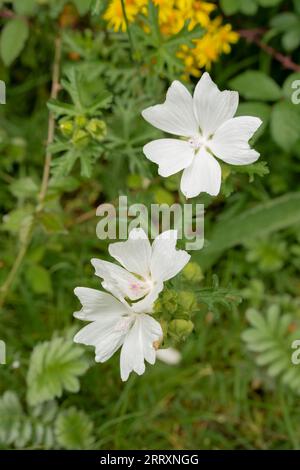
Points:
(77, 75)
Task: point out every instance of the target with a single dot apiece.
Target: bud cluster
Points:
(81, 130)
(175, 310)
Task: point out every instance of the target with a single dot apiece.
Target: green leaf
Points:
(256, 222)
(270, 339)
(39, 279)
(24, 188)
(83, 6)
(285, 125)
(54, 367)
(291, 39)
(25, 7)
(269, 3)
(284, 21)
(61, 109)
(13, 37)
(248, 7)
(10, 415)
(74, 430)
(256, 85)
(52, 222)
(17, 218)
(230, 7)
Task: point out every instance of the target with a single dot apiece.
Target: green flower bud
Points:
(80, 121)
(97, 128)
(188, 301)
(157, 307)
(169, 301)
(180, 328)
(80, 138)
(66, 128)
(192, 272)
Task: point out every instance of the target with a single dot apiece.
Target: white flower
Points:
(208, 127)
(169, 356)
(145, 267)
(115, 324)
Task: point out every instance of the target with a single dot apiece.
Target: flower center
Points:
(197, 142)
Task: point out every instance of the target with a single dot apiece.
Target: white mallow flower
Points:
(144, 267)
(207, 127)
(116, 324)
(169, 356)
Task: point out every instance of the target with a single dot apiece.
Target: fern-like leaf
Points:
(54, 367)
(11, 416)
(74, 430)
(270, 339)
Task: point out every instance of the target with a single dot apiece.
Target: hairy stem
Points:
(26, 239)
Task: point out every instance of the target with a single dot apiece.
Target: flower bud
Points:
(188, 301)
(66, 128)
(193, 272)
(80, 120)
(97, 129)
(80, 138)
(180, 328)
(169, 301)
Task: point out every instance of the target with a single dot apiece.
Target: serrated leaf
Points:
(54, 367)
(11, 413)
(74, 430)
(269, 338)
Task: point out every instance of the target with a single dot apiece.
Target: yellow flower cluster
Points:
(217, 37)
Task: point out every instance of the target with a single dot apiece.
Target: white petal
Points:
(166, 261)
(97, 304)
(230, 141)
(171, 155)
(169, 356)
(118, 281)
(138, 345)
(103, 335)
(212, 107)
(134, 254)
(203, 175)
(146, 304)
(176, 114)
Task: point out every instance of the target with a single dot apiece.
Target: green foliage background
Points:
(236, 387)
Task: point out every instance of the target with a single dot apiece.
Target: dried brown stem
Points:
(4, 290)
(254, 36)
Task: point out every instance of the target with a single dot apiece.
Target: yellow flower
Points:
(166, 7)
(172, 15)
(114, 13)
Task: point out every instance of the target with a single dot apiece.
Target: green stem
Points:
(128, 30)
(26, 240)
